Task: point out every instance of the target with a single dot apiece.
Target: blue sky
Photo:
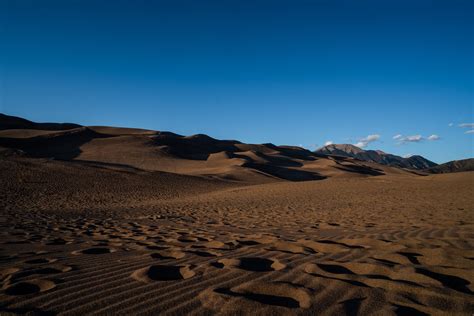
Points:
(286, 72)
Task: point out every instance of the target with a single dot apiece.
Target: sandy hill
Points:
(378, 156)
(13, 122)
(196, 155)
(453, 166)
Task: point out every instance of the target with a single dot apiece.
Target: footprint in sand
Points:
(187, 239)
(8, 271)
(168, 254)
(58, 242)
(251, 264)
(94, 251)
(163, 273)
(7, 274)
(215, 244)
(153, 247)
(253, 295)
(381, 276)
(52, 269)
(289, 247)
(41, 261)
(205, 253)
(324, 246)
(29, 287)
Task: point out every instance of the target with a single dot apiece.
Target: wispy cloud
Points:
(414, 138)
(469, 132)
(467, 125)
(407, 155)
(363, 142)
(329, 142)
(451, 124)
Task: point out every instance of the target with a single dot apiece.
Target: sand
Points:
(119, 221)
(90, 238)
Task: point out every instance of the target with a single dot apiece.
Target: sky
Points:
(391, 75)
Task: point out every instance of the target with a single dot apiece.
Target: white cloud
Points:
(363, 142)
(329, 142)
(467, 125)
(409, 139)
(451, 124)
(407, 155)
(372, 138)
(469, 132)
(413, 138)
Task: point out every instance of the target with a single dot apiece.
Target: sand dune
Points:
(105, 221)
(395, 244)
(197, 155)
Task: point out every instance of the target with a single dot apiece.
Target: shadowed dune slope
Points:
(197, 155)
(13, 122)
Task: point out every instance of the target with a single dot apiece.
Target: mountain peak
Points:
(378, 156)
(340, 150)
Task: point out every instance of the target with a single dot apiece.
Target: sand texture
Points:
(125, 226)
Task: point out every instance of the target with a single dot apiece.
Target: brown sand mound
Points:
(192, 155)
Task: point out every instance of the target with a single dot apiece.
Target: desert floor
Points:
(82, 239)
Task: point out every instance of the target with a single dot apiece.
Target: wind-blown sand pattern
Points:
(163, 232)
(391, 245)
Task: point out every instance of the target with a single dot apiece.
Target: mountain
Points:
(196, 155)
(453, 166)
(378, 156)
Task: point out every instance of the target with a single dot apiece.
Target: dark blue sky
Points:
(287, 72)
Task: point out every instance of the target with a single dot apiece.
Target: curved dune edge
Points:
(290, 247)
(163, 273)
(168, 254)
(29, 287)
(252, 296)
(94, 251)
(40, 261)
(254, 264)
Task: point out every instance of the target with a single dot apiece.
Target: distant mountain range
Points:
(378, 156)
(454, 166)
